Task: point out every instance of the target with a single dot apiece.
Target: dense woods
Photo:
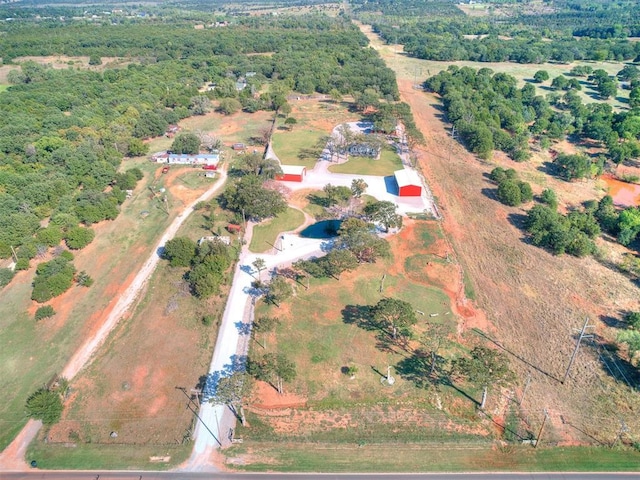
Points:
(65, 132)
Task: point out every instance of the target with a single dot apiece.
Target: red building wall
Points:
(288, 177)
(410, 191)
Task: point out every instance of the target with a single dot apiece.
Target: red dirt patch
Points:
(267, 398)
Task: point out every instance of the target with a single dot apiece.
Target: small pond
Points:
(623, 193)
(322, 229)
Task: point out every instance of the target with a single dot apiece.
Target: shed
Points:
(238, 146)
(409, 183)
(291, 173)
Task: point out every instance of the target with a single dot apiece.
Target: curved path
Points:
(12, 457)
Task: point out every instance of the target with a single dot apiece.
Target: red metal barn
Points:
(292, 173)
(409, 183)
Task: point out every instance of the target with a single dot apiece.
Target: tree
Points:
(633, 319)
(137, 148)
(338, 261)
(52, 279)
(541, 76)
(84, 280)
(549, 197)
(180, 251)
(50, 236)
(634, 97)
(560, 82)
(264, 324)
(632, 339)
(628, 73)
(229, 106)
(45, 405)
(273, 368)
(278, 291)
(188, 143)
(200, 105)
(6, 275)
(232, 390)
(360, 239)
(290, 122)
(484, 367)
(509, 193)
(259, 264)
(628, 225)
(358, 187)
(285, 109)
(249, 196)
(384, 212)
(395, 316)
(337, 194)
(79, 237)
(335, 95)
(573, 166)
(499, 174)
(45, 311)
(607, 89)
(526, 193)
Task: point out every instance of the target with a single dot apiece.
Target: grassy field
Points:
(298, 147)
(267, 232)
(3, 87)
(106, 457)
(301, 457)
(318, 334)
(388, 163)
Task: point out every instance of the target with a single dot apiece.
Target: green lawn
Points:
(3, 87)
(298, 146)
(269, 230)
(388, 163)
(90, 456)
(451, 457)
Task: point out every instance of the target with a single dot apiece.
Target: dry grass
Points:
(534, 300)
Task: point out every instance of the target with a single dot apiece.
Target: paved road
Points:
(213, 429)
(33, 475)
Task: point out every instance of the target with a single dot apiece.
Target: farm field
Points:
(532, 299)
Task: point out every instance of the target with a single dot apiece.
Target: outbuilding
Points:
(292, 173)
(409, 183)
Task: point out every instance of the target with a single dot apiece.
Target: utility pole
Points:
(526, 387)
(15, 256)
(544, 420)
(484, 398)
(575, 352)
(623, 429)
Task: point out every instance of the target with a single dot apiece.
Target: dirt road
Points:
(13, 456)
